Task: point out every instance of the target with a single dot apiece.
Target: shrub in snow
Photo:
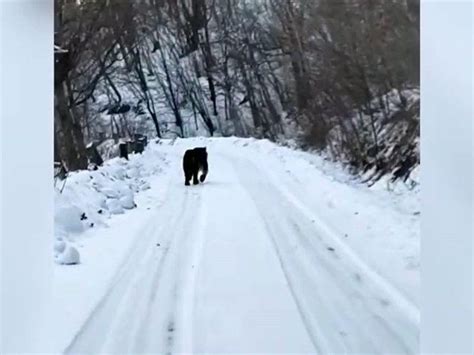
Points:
(70, 256)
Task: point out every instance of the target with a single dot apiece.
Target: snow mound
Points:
(69, 216)
(70, 256)
(87, 199)
(114, 206)
(127, 201)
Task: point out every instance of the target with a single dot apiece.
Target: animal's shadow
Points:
(211, 183)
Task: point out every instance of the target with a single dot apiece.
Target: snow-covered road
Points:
(243, 264)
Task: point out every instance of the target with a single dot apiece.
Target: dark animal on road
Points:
(195, 161)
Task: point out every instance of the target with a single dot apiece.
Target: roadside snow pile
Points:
(69, 256)
(89, 198)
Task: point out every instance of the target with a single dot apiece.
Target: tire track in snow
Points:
(154, 284)
(314, 333)
(324, 230)
(316, 264)
(106, 314)
(168, 326)
(367, 298)
(295, 193)
(397, 297)
(150, 303)
(243, 304)
(187, 311)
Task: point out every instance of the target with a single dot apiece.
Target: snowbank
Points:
(88, 199)
(68, 256)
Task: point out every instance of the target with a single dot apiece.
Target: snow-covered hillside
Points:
(278, 251)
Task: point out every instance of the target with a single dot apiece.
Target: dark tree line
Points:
(338, 76)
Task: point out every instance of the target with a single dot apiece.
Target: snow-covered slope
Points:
(388, 137)
(278, 251)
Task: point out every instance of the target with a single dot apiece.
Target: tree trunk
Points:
(72, 139)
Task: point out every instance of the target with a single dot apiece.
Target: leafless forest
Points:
(336, 76)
